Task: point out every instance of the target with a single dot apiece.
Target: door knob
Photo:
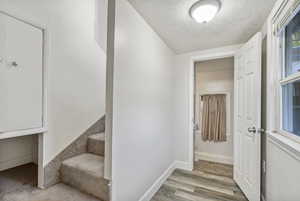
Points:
(252, 129)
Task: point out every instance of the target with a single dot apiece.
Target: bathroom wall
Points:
(215, 76)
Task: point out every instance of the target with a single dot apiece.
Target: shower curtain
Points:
(213, 126)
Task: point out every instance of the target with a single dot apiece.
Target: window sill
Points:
(288, 145)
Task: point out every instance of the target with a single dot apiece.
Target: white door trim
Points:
(110, 6)
(218, 54)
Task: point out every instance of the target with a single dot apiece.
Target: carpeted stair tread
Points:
(85, 172)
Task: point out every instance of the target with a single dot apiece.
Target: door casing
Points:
(219, 54)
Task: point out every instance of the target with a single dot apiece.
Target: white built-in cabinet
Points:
(21, 76)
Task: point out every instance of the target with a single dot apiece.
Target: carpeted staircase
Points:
(85, 172)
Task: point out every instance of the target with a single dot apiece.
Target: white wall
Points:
(142, 113)
(283, 154)
(76, 66)
(215, 76)
(283, 164)
(182, 87)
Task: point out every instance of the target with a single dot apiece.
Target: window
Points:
(291, 107)
(290, 82)
(292, 47)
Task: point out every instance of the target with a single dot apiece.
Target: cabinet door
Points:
(21, 75)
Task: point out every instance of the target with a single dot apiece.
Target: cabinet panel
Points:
(21, 75)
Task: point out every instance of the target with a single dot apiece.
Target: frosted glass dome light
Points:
(205, 10)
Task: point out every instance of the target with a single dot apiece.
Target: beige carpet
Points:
(59, 192)
(18, 184)
(17, 179)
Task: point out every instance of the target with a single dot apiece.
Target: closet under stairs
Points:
(85, 172)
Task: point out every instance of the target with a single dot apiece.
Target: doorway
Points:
(246, 118)
(214, 81)
(213, 117)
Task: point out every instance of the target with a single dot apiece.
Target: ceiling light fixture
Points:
(205, 10)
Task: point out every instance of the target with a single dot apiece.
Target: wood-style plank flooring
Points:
(208, 182)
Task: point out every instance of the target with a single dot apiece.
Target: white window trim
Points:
(290, 79)
(280, 83)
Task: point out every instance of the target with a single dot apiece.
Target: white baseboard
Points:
(183, 165)
(22, 160)
(160, 181)
(213, 158)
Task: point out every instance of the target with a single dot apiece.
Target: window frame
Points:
(283, 81)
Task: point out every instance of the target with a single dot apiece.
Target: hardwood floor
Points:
(208, 182)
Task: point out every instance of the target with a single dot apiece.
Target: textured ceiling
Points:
(236, 22)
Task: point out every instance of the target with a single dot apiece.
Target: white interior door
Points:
(21, 75)
(248, 118)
